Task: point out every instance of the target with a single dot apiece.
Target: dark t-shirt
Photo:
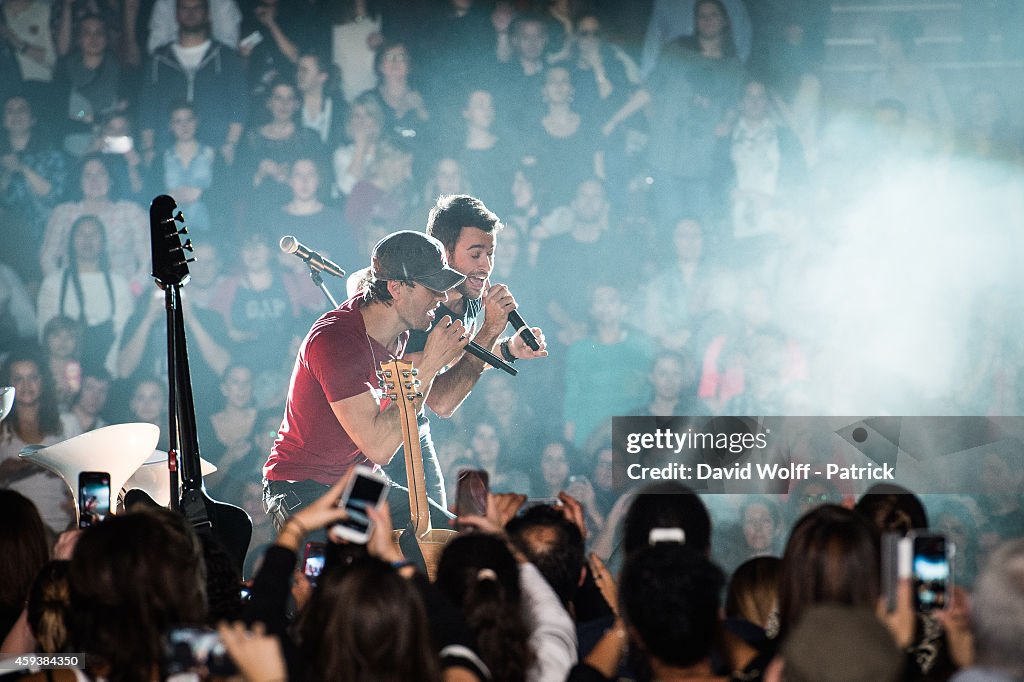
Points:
(337, 360)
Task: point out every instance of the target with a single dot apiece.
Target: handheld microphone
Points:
(290, 244)
(475, 349)
(523, 329)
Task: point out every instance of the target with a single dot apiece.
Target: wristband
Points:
(399, 565)
(506, 354)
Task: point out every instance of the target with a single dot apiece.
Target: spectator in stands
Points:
(519, 84)
(354, 161)
(323, 110)
(486, 155)
(672, 19)
(115, 138)
(87, 289)
(268, 151)
(355, 37)
(448, 177)
(198, 68)
(612, 355)
(34, 420)
(562, 142)
(32, 178)
(224, 18)
(929, 114)
(261, 313)
(589, 245)
(227, 435)
(404, 107)
(147, 403)
(673, 387)
(309, 219)
(385, 196)
(25, 27)
(25, 548)
(187, 168)
(759, 163)
(276, 53)
(62, 346)
(89, 83)
(692, 94)
(17, 312)
(556, 463)
(126, 244)
(997, 615)
(603, 73)
(143, 351)
(487, 449)
(86, 412)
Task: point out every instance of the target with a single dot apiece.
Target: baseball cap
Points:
(410, 256)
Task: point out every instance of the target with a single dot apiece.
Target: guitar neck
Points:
(405, 394)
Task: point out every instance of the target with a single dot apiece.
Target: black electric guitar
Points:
(230, 524)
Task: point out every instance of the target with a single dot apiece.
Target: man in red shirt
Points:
(336, 417)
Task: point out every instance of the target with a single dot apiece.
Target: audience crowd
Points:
(696, 223)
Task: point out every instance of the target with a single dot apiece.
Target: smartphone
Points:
(471, 492)
(931, 571)
(251, 40)
(93, 497)
(313, 561)
(195, 650)
(365, 489)
(117, 144)
(532, 502)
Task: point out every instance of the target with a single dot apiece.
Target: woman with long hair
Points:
(34, 420)
(89, 291)
(478, 574)
(831, 556)
(126, 248)
(368, 623)
(132, 578)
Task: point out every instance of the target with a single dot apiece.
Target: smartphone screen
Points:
(366, 489)
(313, 563)
(93, 497)
(471, 492)
(930, 572)
(195, 650)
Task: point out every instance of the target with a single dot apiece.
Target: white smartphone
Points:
(251, 40)
(365, 489)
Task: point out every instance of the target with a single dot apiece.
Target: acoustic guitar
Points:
(403, 388)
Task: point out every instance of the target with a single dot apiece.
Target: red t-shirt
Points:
(337, 360)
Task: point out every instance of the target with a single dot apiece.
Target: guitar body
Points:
(401, 378)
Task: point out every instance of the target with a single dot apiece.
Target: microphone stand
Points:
(314, 274)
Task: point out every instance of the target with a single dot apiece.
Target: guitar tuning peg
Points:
(183, 230)
(386, 372)
(415, 372)
(187, 245)
(185, 262)
(179, 216)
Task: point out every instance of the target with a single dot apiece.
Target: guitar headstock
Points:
(398, 379)
(170, 259)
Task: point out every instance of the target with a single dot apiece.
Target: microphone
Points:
(516, 320)
(475, 349)
(314, 260)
